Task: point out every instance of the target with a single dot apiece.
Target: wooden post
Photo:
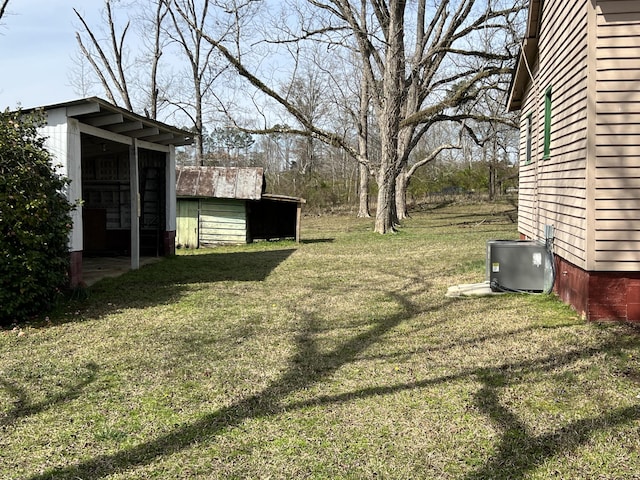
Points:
(135, 205)
(298, 218)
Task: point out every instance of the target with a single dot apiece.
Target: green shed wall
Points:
(223, 221)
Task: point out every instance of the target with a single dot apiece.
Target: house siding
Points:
(553, 190)
(617, 182)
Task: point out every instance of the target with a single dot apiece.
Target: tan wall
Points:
(553, 190)
(617, 172)
(528, 170)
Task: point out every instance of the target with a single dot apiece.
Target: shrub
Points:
(34, 221)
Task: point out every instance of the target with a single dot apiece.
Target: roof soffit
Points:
(526, 57)
(101, 114)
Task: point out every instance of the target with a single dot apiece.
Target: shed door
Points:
(187, 223)
(223, 221)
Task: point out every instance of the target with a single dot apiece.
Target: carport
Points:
(122, 171)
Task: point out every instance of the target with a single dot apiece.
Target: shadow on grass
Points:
(505, 217)
(317, 240)
(307, 367)
(427, 207)
(23, 407)
(518, 451)
(167, 281)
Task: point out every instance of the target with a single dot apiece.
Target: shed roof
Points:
(282, 198)
(219, 182)
(99, 113)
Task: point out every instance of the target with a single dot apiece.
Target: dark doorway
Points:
(106, 196)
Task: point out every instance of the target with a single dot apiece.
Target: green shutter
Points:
(547, 123)
(529, 132)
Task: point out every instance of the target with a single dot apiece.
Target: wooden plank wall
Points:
(223, 221)
(553, 190)
(187, 223)
(617, 196)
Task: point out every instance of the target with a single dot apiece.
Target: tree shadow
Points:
(23, 407)
(506, 217)
(317, 240)
(307, 367)
(518, 450)
(430, 207)
(168, 280)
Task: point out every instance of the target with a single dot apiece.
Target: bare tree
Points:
(154, 62)
(415, 64)
(154, 24)
(108, 65)
(201, 65)
(363, 151)
(126, 61)
(309, 95)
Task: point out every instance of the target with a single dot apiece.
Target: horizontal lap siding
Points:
(617, 196)
(553, 190)
(223, 221)
(527, 175)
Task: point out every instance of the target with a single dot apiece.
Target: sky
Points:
(37, 47)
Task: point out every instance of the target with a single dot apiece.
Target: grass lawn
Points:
(336, 358)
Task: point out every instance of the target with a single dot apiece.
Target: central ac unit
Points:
(518, 266)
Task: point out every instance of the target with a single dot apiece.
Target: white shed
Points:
(122, 171)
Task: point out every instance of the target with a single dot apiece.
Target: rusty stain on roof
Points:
(220, 182)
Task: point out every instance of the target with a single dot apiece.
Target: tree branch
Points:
(431, 157)
(3, 7)
(311, 130)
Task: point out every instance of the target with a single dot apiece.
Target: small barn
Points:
(577, 86)
(122, 171)
(217, 205)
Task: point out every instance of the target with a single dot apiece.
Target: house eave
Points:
(283, 198)
(526, 58)
(98, 113)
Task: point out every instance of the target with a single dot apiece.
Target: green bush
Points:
(34, 221)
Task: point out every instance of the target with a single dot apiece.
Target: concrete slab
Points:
(471, 290)
(97, 268)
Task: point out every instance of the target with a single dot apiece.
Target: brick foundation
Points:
(75, 269)
(599, 296)
(169, 243)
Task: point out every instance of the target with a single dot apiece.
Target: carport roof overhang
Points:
(103, 119)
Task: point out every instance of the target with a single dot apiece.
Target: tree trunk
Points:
(389, 119)
(493, 174)
(385, 210)
(386, 215)
(363, 193)
(363, 150)
(402, 182)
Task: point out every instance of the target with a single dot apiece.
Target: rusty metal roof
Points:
(283, 198)
(219, 182)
